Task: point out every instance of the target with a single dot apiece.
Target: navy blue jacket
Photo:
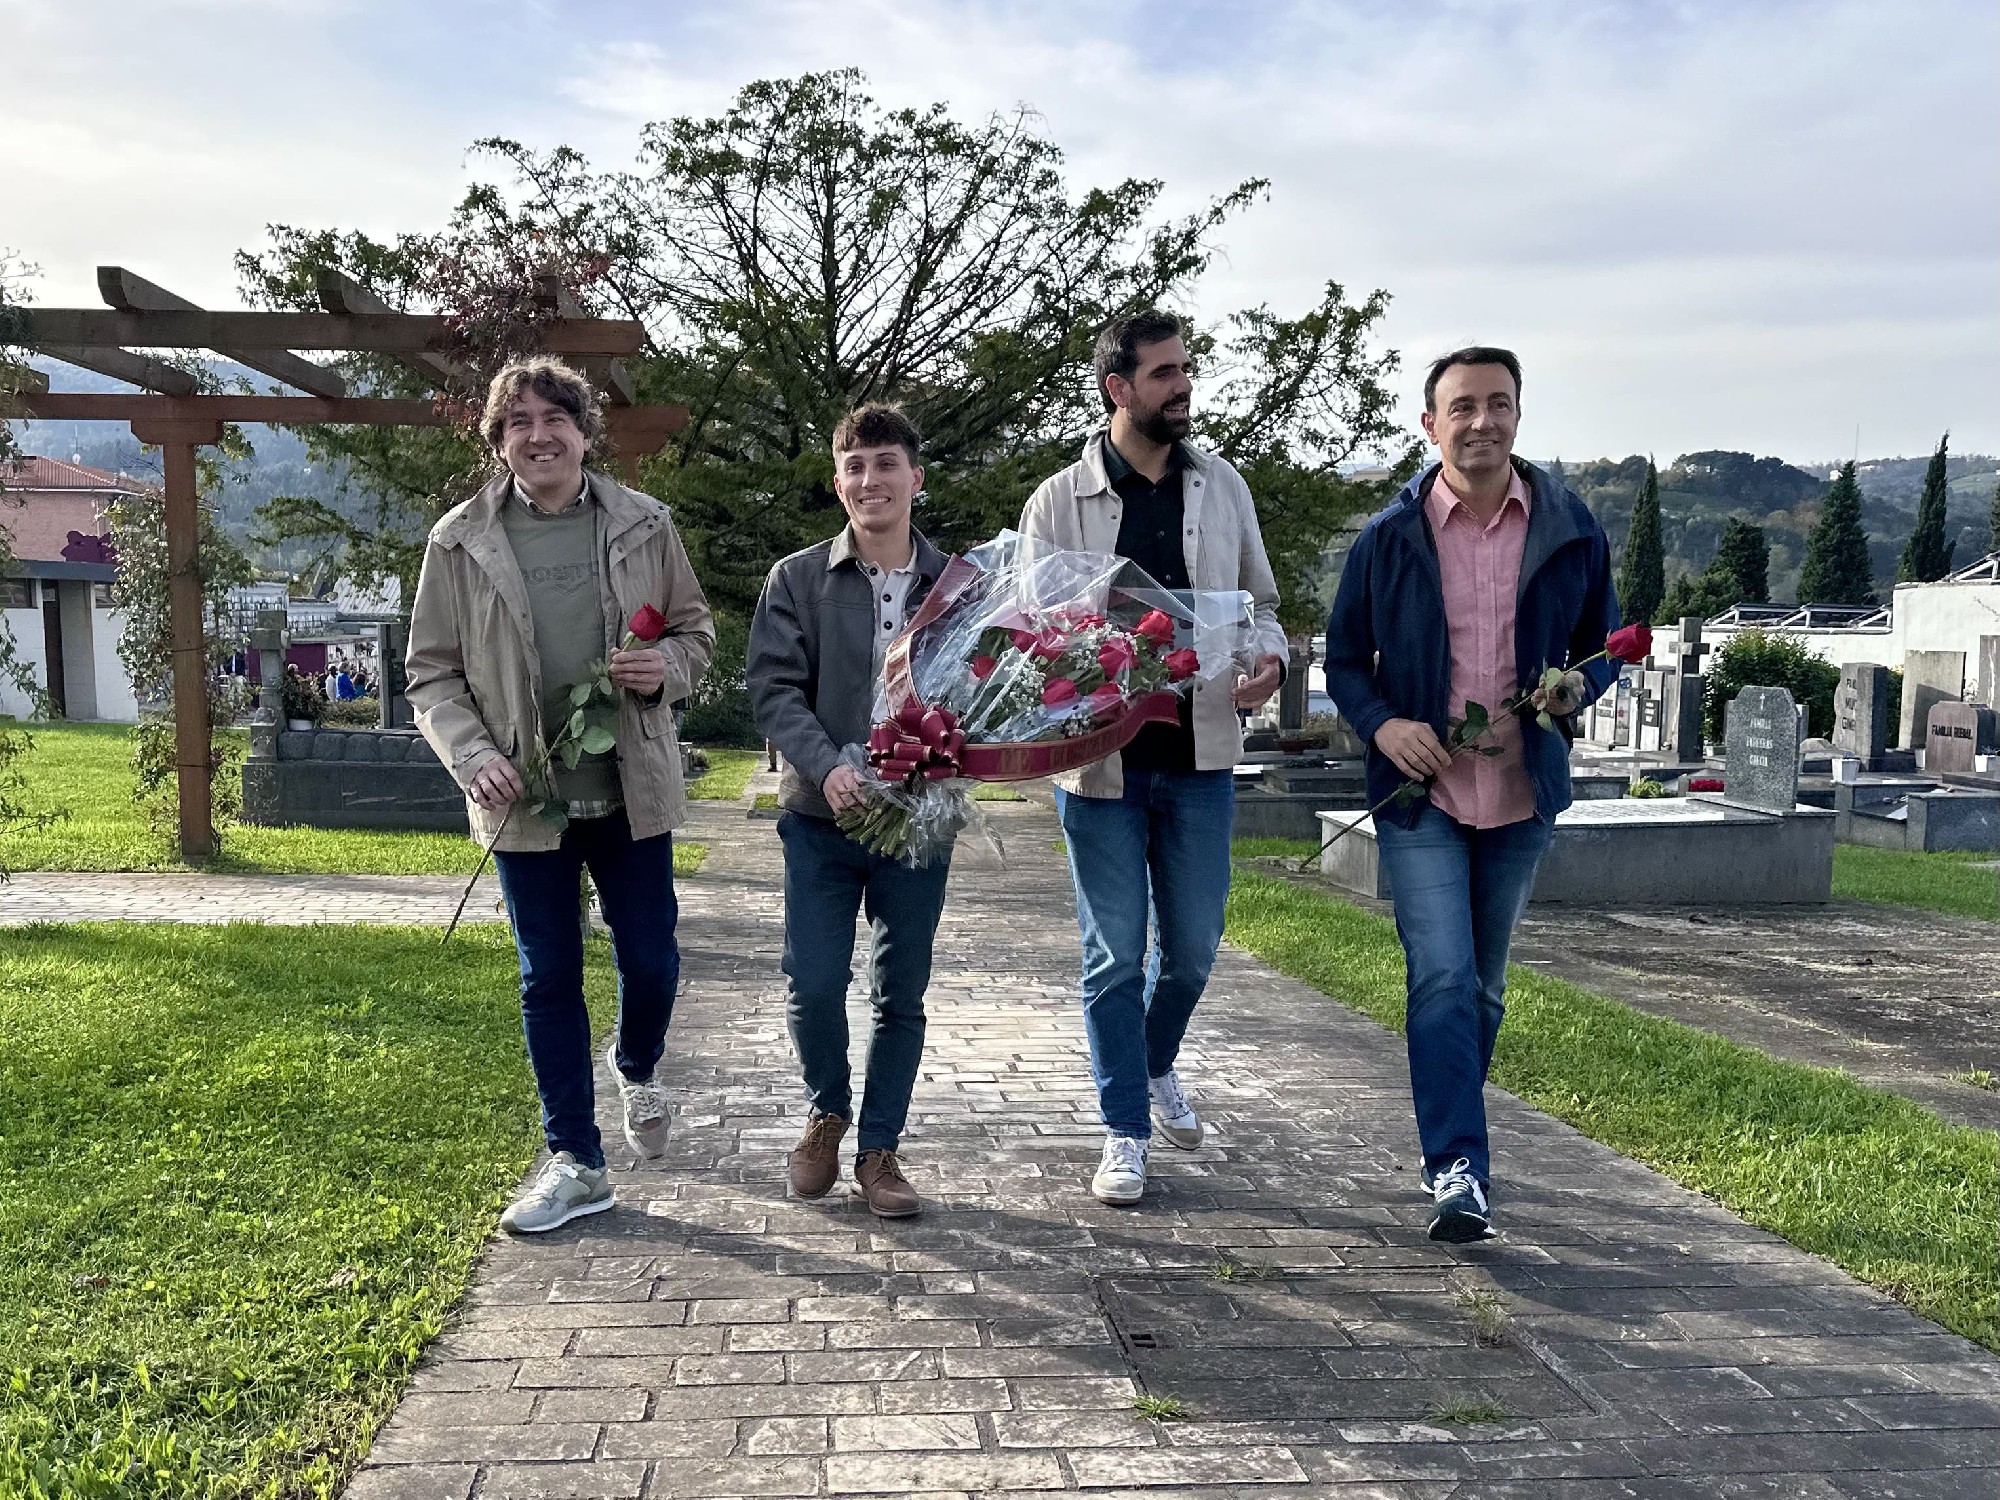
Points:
(1387, 651)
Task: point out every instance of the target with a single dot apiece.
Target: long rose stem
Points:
(484, 855)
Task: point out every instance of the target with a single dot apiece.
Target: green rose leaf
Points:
(580, 694)
(575, 723)
(1552, 677)
(572, 752)
(1545, 721)
(597, 740)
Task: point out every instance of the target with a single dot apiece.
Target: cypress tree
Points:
(1745, 557)
(1927, 554)
(1993, 523)
(1837, 570)
(1642, 575)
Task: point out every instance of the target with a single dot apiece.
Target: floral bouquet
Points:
(1027, 660)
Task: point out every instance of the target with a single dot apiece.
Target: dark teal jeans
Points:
(828, 879)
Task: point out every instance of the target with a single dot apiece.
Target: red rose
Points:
(1182, 664)
(1633, 643)
(1057, 691)
(1115, 655)
(1705, 784)
(1157, 627)
(1050, 644)
(1105, 699)
(647, 623)
(982, 668)
(1024, 640)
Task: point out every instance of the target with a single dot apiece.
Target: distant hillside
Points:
(1699, 492)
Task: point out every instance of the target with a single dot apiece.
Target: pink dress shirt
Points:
(1480, 567)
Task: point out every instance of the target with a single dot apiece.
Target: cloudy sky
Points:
(1751, 224)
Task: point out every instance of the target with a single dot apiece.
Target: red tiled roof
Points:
(29, 472)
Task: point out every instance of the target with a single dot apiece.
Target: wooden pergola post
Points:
(193, 759)
(177, 420)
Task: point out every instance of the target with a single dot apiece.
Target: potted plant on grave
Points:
(303, 700)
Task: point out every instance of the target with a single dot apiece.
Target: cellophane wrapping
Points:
(1043, 643)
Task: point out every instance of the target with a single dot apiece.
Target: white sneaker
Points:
(1172, 1114)
(563, 1191)
(1462, 1217)
(647, 1116)
(1121, 1174)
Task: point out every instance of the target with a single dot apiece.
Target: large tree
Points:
(1836, 568)
(807, 250)
(1927, 554)
(1642, 573)
(1743, 557)
(1993, 522)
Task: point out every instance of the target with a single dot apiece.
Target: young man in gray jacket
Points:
(817, 642)
(1148, 829)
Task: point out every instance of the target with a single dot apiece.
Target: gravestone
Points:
(1861, 713)
(1989, 670)
(392, 644)
(1929, 677)
(1761, 761)
(1956, 733)
(1683, 713)
(1292, 692)
(1651, 708)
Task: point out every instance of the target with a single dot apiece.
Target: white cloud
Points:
(1702, 225)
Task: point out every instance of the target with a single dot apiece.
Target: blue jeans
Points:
(1158, 857)
(828, 878)
(1458, 892)
(635, 891)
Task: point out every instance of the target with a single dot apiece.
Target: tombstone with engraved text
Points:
(1761, 766)
(1861, 713)
(1956, 735)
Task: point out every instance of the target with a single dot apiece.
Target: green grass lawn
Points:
(244, 1172)
(1949, 883)
(85, 768)
(727, 776)
(1876, 1184)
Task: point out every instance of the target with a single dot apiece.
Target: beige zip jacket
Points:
(1224, 547)
(475, 681)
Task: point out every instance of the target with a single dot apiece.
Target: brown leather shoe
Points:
(815, 1162)
(879, 1179)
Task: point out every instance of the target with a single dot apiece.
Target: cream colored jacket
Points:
(475, 680)
(1079, 509)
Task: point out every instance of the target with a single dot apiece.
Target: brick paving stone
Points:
(713, 1336)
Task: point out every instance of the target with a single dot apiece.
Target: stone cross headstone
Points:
(1761, 765)
(1929, 678)
(1683, 738)
(1861, 713)
(1989, 670)
(267, 639)
(1956, 733)
(1292, 692)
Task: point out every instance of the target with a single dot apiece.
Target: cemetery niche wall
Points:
(1752, 843)
(385, 779)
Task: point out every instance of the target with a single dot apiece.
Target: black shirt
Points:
(1149, 534)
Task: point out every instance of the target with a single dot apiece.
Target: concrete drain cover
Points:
(1326, 1347)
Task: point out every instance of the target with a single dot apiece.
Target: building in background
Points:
(57, 595)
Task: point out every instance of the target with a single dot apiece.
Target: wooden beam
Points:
(375, 333)
(610, 374)
(359, 411)
(119, 365)
(341, 294)
(193, 761)
(127, 292)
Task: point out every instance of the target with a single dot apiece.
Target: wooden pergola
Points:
(168, 413)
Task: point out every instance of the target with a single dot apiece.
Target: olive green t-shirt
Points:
(558, 556)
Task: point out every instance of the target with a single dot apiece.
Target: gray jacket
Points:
(811, 667)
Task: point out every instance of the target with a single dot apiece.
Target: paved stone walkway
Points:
(711, 1337)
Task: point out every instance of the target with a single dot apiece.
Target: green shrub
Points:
(719, 713)
(1645, 786)
(1758, 658)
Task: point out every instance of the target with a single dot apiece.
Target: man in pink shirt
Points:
(1482, 574)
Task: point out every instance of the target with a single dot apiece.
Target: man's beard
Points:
(1157, 427)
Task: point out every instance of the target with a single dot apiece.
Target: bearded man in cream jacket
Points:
(1148, 829)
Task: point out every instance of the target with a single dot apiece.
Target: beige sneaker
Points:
(815, 1161)
(1173, 1115)
(647, 1117)
(879, 1179)
(560, 1192)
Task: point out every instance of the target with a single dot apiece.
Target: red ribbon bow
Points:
(918, 741)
